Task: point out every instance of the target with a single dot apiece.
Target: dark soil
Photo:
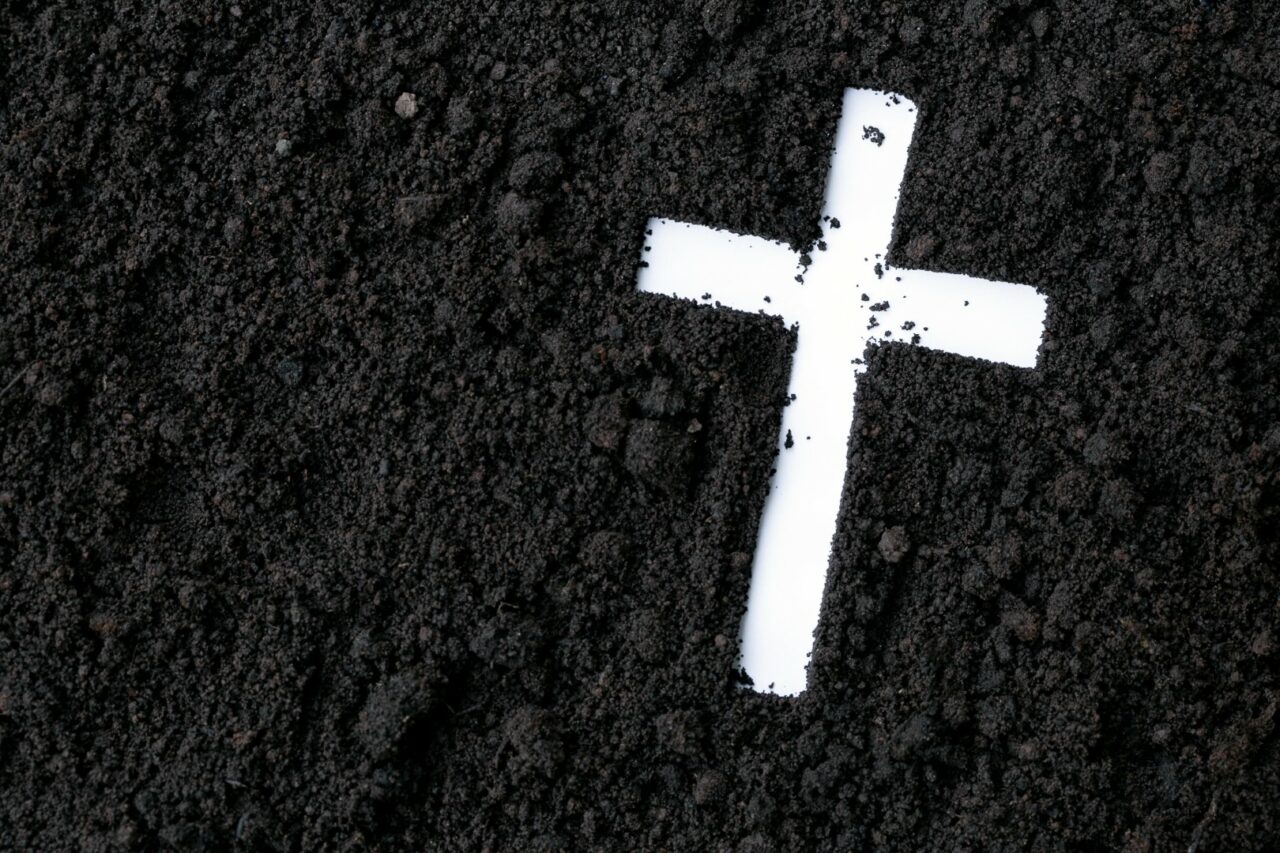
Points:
(350, 498)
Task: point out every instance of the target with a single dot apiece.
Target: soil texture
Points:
(351, 498)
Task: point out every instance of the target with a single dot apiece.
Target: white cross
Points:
(972, 317)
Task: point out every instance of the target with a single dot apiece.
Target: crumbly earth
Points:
(350, 498)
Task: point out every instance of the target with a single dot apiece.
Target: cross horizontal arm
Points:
(749, 274)
(993, 320)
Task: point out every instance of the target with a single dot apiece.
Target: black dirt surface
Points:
(350, 498)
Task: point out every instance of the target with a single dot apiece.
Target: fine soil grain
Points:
(351, 498)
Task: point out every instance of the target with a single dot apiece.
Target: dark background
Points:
(349, 498)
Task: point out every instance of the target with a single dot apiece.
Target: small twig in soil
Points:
(1198, 834)
(14, 380)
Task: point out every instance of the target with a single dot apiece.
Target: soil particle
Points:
(407, 105)
(660, 455)
(663, 399)
(417, 210)
(1263, 643)
(605, 422)
(722, 19)
(290, 372)
(680, 731)
(1161, 171)
(921, 247)
(516, 214)
(534, 736)
(391, 708)
(537, 170)
(893, 544)
(710, 788)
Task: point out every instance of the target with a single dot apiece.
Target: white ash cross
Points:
(846, 300)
